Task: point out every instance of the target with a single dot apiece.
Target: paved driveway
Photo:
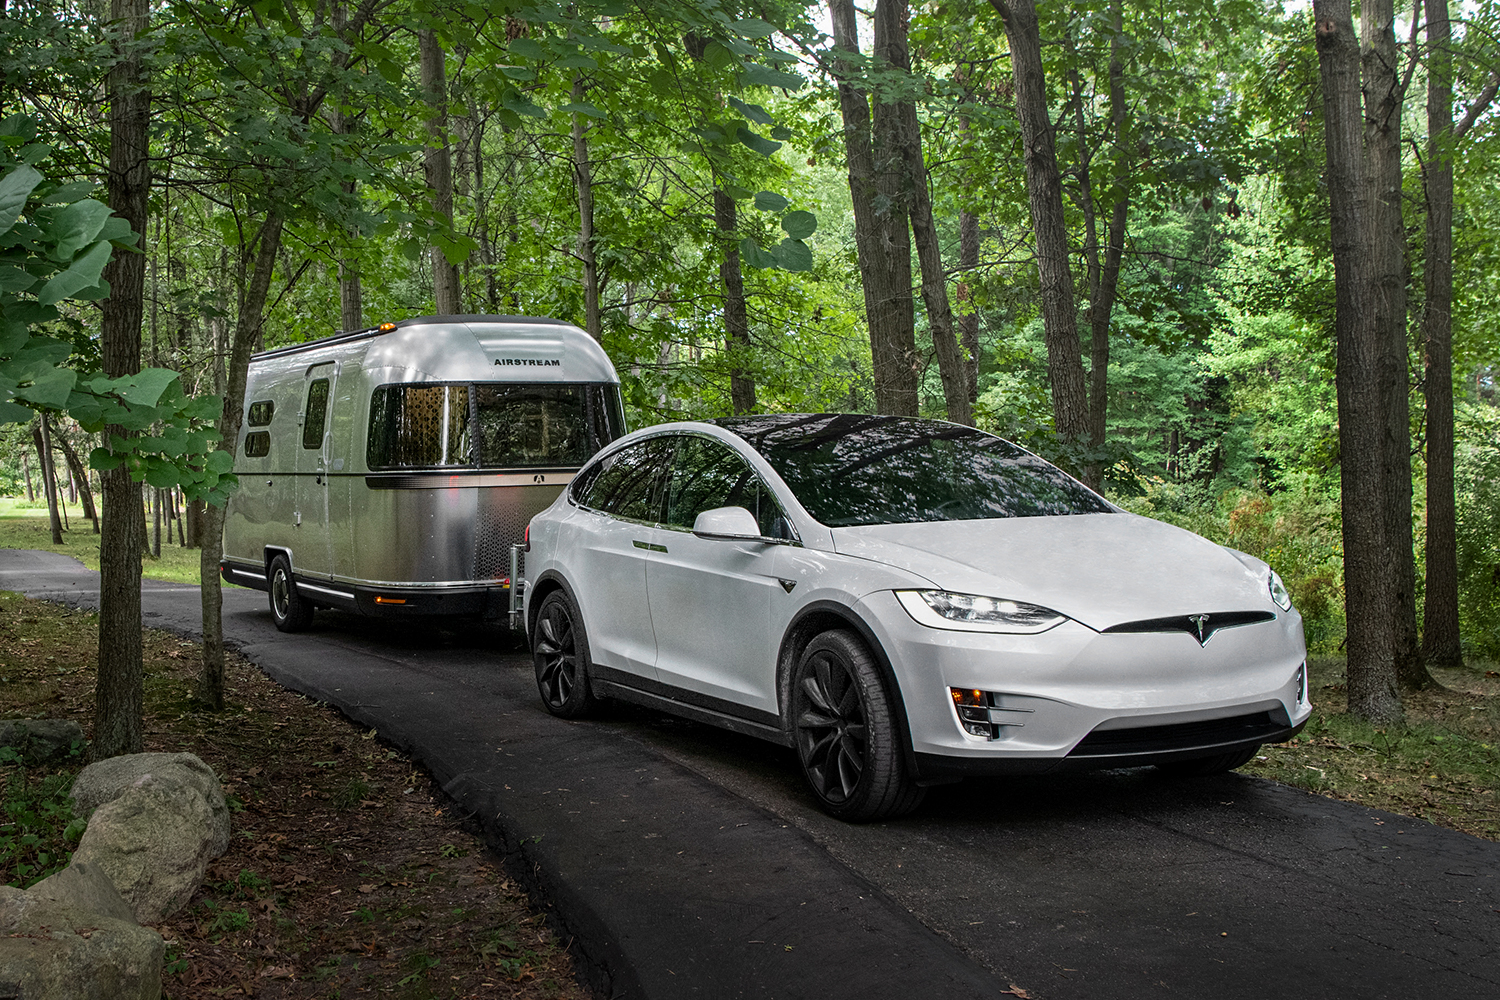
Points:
(687, 862)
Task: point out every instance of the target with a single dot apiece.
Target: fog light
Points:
(974, 712)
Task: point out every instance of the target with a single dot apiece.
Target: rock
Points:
(84, 887)
(40, 740)
(158, 820)
(52, 950)
(105, 780)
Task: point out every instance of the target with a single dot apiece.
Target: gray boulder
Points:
(40, 740)
(155, 836)
(52, 950)
(84, 887)
(107, 779)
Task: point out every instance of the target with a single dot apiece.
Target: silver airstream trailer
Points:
(392, 471)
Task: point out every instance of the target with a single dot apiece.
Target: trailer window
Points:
(261, 412)
(495, 425)
(317, 411)
(257, 444)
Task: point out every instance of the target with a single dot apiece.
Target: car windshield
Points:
(848, 469)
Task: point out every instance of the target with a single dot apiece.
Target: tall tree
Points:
(873, 153)
(1441, 643)
(437, 165)
(1044, 192)
(118, 694)
(583, 180)
(1361, 112)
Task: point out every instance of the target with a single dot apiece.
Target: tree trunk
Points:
(583, 178)
(891, 353)
(246, 332)
(1370, 572)
(437, 165)
(1440, 637)
(968, 317)
(118, 695)
(736, 317)
(49, 478)
(924, 232)
(81, 475)
(893, 332)
(26, 470)
(1044, 190)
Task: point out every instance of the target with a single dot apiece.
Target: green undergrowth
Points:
(37, 829)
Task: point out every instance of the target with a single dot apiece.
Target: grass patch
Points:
(37, 828)
(26, 526)
(1442, 764)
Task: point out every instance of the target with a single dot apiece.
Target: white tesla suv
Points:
(905, 602)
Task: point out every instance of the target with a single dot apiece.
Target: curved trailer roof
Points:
(472, 348)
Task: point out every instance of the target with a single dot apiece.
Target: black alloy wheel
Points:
(560, 653)
(289, 610)
(846, 732)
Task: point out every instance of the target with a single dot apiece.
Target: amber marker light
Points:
(386, 328)
(382, 599)
(971, 699)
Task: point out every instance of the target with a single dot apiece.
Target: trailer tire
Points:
(289, 610)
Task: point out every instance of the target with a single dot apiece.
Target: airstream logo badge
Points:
(1201, 621)
(540, 362)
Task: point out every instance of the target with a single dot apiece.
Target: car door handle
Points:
(649, 546)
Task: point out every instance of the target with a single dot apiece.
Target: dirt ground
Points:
(347, 873)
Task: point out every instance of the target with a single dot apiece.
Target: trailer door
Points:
(311, 555)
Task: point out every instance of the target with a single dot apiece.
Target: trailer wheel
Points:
(289, 610)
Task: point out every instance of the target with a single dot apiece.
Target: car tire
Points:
(845, 732)
(560, 654)
(289, 610)
(1217, 764)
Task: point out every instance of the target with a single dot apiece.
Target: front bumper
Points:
(1076, 698)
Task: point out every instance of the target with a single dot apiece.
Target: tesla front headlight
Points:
(1279, 593)
(972, 613)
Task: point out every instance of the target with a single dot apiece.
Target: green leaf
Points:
(770, 201)
(11, 413)
(756, 75)
(781, 132)
(792, 255)
(577, 60)
(518, 72)
(77, 226)
(144, 388)
(800, 225)
(759, 143)
(65, 194)
(13, 279)
(754, 112)
(49, 388)
(15, 188)
(582, 108)
(219, 462)
(84, 273)
(753, 27)
(753, 256)
(162, 474)
(526, 48)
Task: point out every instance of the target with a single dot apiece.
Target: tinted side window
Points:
(257, 444)
(261, 412)
(628, 483)
(708, 474)
(317, 410)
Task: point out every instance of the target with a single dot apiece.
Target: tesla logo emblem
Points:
(538, 479)
(1201, 622)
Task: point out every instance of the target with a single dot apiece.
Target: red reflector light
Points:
(527, 546)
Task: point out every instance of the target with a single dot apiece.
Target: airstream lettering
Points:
(390, 471)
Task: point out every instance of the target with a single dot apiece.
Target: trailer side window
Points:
(419, 426)
(257, 444)
(317, 411)
(261, 411)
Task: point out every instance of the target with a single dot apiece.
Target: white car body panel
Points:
(1099, 569)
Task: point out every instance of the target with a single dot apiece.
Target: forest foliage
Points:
(1208, 170)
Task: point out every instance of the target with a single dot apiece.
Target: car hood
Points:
(1098, 569)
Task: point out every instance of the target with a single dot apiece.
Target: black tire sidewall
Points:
(580, 701)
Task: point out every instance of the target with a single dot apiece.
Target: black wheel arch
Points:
(538, 589)
(815, 619)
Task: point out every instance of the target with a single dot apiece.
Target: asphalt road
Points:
(687, 862)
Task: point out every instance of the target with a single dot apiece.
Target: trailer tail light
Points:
(526, 543)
